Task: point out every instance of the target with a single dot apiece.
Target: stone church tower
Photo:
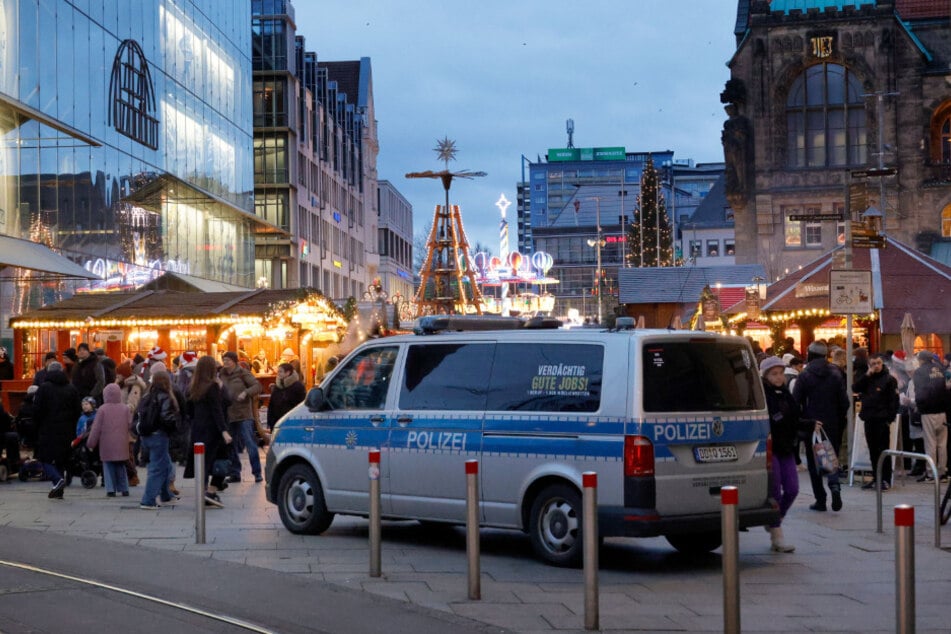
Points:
(822, 94)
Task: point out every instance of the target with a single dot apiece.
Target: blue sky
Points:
(500, 78)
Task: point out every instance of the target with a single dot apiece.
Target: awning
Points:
(37, 257)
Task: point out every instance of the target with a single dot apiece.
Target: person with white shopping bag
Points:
(785, 425)
(820, 393)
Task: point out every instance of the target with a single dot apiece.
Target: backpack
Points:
(147, 416)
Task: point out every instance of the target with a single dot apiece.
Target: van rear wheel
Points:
(300, 501)
(695, 543)
(555, 525)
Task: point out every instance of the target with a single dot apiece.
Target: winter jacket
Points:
(878, 394)
(6, 370)
(820, 394)
(56, 409)
(110, 430)
(169, 415)
(84, 424)
(287, 394)
(237, 381)
(785, 423)
(931, 392)
(89, 377)
(207, 416)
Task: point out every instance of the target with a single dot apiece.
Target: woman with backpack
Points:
(158, 416)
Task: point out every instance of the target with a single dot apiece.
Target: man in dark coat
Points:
(88, 375)
(288, 392)
(878, 394)
(108, 366)
(56, 409)
(40, 377)
(820, 393)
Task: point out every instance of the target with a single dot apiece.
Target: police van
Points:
(665, 418)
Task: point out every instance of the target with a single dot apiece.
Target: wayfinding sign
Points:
(850, 292)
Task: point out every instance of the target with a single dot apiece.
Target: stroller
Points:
(84, 462)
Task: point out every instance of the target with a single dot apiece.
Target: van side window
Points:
(363, 381)
(697, 376)
(546, 378)
(446, 376)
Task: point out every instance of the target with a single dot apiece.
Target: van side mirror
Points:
(315, 399)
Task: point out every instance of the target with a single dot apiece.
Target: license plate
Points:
(718, 453)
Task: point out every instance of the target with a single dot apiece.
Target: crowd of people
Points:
(811, 397)
(139, 413)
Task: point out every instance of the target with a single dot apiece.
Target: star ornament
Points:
(446, 150)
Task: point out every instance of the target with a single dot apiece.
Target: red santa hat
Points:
(189, 358)
(157, 354)
(899, 354)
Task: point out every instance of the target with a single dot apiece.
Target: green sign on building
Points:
(586, 154)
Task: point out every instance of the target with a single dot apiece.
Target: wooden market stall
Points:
(904, 281)
(275, 325)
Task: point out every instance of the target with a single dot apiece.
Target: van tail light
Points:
(638, 456)
(769, 452)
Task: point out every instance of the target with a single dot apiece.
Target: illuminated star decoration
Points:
(446, 150)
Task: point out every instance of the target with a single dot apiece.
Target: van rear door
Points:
(704, 410)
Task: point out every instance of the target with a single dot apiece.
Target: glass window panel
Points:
(796, 140)
(815, 85)
(837, 137)
(792, 229)
(27, 47)
(446, 376)
(547, 377)
(835, 84)
(813, 233)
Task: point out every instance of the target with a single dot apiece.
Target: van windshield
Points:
(700, 375)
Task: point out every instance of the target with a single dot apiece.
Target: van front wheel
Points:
(695, 543)
(555, 525)
(300, 501)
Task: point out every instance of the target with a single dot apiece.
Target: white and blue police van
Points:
(666, 418)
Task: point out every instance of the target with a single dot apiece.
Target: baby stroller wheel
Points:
(89, 479)
(23, 475)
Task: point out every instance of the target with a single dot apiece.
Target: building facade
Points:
(127, 143)
(315, 149)
(562, 199)
(396, 241)
(822, 92)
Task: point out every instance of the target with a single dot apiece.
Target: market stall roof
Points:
(681, 284)
(163, 307)
(903, 281)
(37, 257)
(187, 283)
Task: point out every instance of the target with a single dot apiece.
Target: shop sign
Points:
(711, 309)
(812, 289)
(752, 303)
(851, 292)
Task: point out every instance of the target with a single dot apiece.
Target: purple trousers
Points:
(784, 485)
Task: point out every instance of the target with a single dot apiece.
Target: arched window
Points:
(946, 222)
(825, 118)
(941, 134)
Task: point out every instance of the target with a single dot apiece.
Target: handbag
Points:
(220, 468)
(826, 459)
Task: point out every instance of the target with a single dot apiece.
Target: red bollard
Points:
(589, 530)
(729, 528)
(375, 519)
(200, 484)
(905, 569)
(472, 528)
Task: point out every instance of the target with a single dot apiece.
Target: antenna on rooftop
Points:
(570, 127)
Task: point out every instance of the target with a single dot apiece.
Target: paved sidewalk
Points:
(841, 577)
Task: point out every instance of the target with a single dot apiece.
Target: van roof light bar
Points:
(432, 324)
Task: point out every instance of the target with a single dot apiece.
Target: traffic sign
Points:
(868, 242)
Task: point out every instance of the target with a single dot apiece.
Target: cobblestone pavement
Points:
(841, 577)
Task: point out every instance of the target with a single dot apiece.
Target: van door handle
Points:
(403, 421)
(376, 421)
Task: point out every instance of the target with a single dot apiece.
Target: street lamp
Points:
(598, 243)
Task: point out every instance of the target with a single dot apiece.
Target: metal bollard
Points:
(589, 482)
(374, 512)
(729, 528)
(472, 528)
(200, 484)
(905, 569)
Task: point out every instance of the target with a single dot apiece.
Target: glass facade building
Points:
(127, 136)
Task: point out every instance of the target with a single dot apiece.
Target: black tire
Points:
(946, 507)
(300, 500)
(89, 479)
(555, 526)
(22, 475)
(695, 543)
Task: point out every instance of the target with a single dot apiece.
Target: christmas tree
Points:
(649, 237)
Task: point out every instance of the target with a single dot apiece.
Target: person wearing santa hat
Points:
(186, 370)
(155, 355)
